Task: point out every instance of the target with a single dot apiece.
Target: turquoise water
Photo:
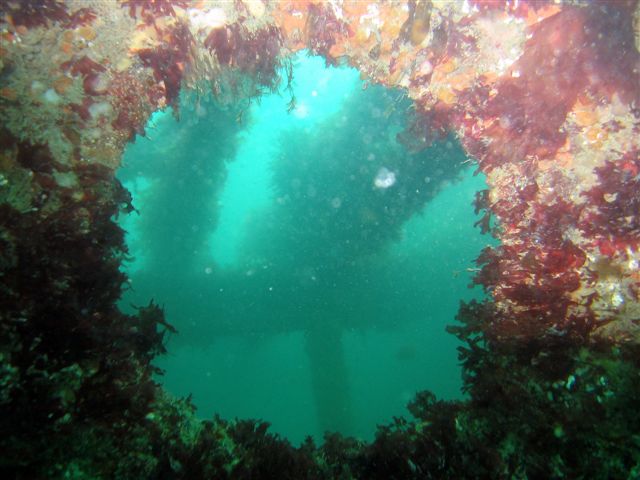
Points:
(309, 261)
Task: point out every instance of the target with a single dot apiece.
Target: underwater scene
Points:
(319, 239)
(296, 259)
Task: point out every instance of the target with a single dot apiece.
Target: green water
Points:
(308, 260)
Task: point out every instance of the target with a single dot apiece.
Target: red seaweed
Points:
(82, 110)
(82, 66)
(481, 204)
(34, 13)
(323, 29)
(576, 50)
(527, 112)
(82, 16)
(613, 220)
(254, 53)
(222, 42)
(94, 80)
(150, 9)
(133, 101)
(168, 61)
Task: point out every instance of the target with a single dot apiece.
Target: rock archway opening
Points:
(309, 249)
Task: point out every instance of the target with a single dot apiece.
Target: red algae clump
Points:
(149, 10)
(168, 61)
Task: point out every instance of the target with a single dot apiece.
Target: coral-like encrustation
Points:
(544, 96)
(544, 136)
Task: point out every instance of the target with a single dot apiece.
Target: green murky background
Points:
(309, 261)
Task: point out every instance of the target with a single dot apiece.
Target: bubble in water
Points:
(385, 178)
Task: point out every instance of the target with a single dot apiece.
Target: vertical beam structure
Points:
(329, 376)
